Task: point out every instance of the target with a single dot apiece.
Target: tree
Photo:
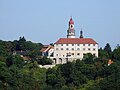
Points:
(103, 54)
(4, 51)
(88, 58)
(68, 72)
(15, 60)
(51, 77)
(116, 53)
(107, 48)
(23, 44)
(44, 61)
(5, 75)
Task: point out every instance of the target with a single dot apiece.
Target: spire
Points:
(71, 21)
(81, 34)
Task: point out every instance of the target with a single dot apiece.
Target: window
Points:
(88, 49)
(83, 44)
(56, 48)
(78, 44)
(78, 49)
(78, 53)
(72, 53)
(93, 44)
(61, 48)
(72, 44)
(88, 44)
(66, 44)
(84, 54)
(83, 49)
(93, 49)
(72, 48)
(61, 44)
(56, 54)
(94, 54)
(67, 48)
(68, 54)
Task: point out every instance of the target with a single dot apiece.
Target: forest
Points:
(90, 73)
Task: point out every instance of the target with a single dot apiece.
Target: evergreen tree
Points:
(116, 53)
(107, 48)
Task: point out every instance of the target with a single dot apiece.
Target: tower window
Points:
(71, 26)
(72, 44)
(66, 44)
(56, 48)
(83, 44)
(88, 44)
(61, 44)
(93, 44)
(93, 49)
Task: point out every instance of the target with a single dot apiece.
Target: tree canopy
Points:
(91, 73)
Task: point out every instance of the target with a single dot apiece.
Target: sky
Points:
(45, 21)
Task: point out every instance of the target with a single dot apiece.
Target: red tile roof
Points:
(76, 41)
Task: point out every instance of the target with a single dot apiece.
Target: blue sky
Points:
(46, 21)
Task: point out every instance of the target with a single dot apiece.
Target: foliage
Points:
(44, 61)
(24, 45)
(103, 54)
(116, 53)
(88, 58)
(91, 73)
(5, 48)
(107, 48)
(15, 60)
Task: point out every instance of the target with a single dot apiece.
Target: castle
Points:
(70, 48)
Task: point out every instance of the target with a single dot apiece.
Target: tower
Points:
(81, 34)
(71, 31)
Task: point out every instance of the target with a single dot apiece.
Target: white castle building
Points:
(72, 48)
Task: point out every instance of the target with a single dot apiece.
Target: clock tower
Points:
(71, 31)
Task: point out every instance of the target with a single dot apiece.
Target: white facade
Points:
(50, 52)
(70, 52)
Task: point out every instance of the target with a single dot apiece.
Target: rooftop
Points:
(76, 41)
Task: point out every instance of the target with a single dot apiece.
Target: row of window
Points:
(78, 54)
(75, 44)
(89, 49)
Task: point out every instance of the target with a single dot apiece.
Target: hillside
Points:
(92, 73)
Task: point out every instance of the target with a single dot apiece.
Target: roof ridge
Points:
(76, 41)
